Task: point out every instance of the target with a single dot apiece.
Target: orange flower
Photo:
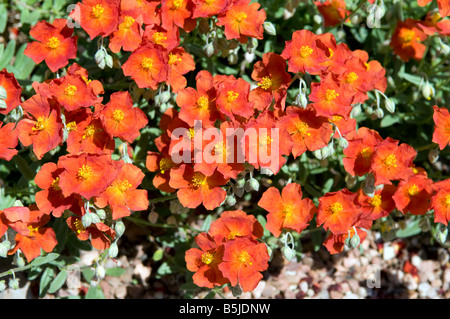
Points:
(380, 205)
(441, 134)
(31, 236)
(194, 188)
(122, 195)
(160, 37)
(232, 98)
(338, 211)
(242, 20)
(345, 126)
(443, 5)
(360, 150)
(374, 75)
(414, 195)
(392, 161)
(288, 210)
(235, 223)
(204, 261)
(55, 44)
(307, 130)
(440, 202)
(86, 174)
(147, 10)
(121, 119)
(162, 164)
(180, 63)
(97, 17)
(41, 126)
(333, 11)
(199, 104)
(87, 133)
(354, 78)
(128, 35)
(13, 91)
(336, 243)
(72, 92)
(209, 8)
(177, 13)
(147, 66)
(273, 82)
(330, 98)
(8, 141)
(242, 262)
(95, 85)
(407, 40)
(50, 200)
(100, 234)
(305, 53)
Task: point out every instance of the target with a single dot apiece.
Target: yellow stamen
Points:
(302, 128)
(147, 64)
(413, 190)
(232, 235)
(118, 115)
(331, 53)
(173, 58)
(244, 258)
(32, 230)
(265, 139)
(89, 131)
(53, 43)
(207, 258)
(177, 4)
(85, 172)
(288, 210)
(446, 201)
(232, 96)
(41, 124)
(70, 90)
(124, 185)
(265, 83)
(55, 184)
(198, 180)
(375, 201)
(97, 11)
(331, 95)
(390, 161)
(366, 152)
(164, 165)
(191, 133)
(71, 126)
(351, 77)
(335, 208)
(203, 102)
(79, 226)
(240, 16)
(305, 51)
(407, 36)
(159, 37)
(127, 23)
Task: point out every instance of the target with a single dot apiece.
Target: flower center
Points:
(55, 184)
(84, 172)
(40, 125)
(305, 51)
(302, 128)
(97, 11)
(79, 226)
(330, 95)
(240, 16)
(375, 201)
(335, 208)
(446, 201)
(53, 43)
(244, 258)
(265, 83)
(70, 90)
(366, 152)
(124, 185)
(177, 4)
(173, 59)
(207, 258)
(390, 161)
(232, 96)
(89, 131)
(407, 36)
(71, 126)
(351, 77)
(127, 23)
(159, 37)
(288, 210)
(32, 230)
(203, 102)
(413, 190)
(191, 132)
(265, 139)
(118, 115)
(147, 64)
(198, 180)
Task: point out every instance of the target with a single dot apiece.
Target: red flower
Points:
(305, 53)
(307, 130)
(440, 202)
(414, 195)
(41, 126)
(242, 20)
(122, 195)
(407, 40)
(441, 134)
(233, 224)
(204, 261)
(100, 234)
(380, 205)
(8, 141)
(338, 211)
(86, 174)
(345, 126)
(194, 188)
(128, 35)
(13, 91)
(97, 17)
(147, 9)
(333, 11)
(288, 210)
(232, 98)
(392, 161)
(162, 164)
(147, 66)
(72, 92)
(242, 262)
(121, 119)
(55, 44)
(31, 237)
(177, 13)
(208, 8)
(158, 36)
(180, 62)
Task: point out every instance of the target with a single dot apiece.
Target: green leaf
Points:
(207, 223)
(414, 79)
(88, 274)
(3, 18)
(41, 260)
(58, 282)
(164, 269)
(262, 220)
(23, 65)
(115, 271)
(157, 255)
(8, 54)
(24, 168)
(46, 279)
(411, 229)
(389, 120)
(95, 293)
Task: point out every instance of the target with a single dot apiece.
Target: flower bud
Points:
(100, 56)
(269, 28)
(343, 143)
(239, 191)
(109, 61)
(231, 200)
(13, 283)
(288, 253)
(90, 218)
(350, 181)
(318, 154)
(4, 247)
(101, 213)
(301, 100)
(19, 260)
(102, 64)
(441, 234)
(3, 94)
(433, 155)
(369, 110)
(236, 290)
(209, 49)
(354, 241)
(119, 228)
(2, 286)
(427, 91)
(318, 18)
(379, 113)
(233, 58)
(165, 96)
(356, 111)
(444, 48)
(100, 271)
(252, 185)
(240, 183)
(389, 105)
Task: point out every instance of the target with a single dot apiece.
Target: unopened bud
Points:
(240, 183)
(233, 58)
(100, 272)
(369, 110)
(288, 253)
(356, 19)
(231, 200)
(13, 283)
(239, 191)
(269, 28)
(441, 234)
(318, 19)
(356, 111)
(343, 143)
(109, 61)
(354, 241)
(209, 49)
(369, 185)
(101, 213)
(100, 56)
(102, 64)
(328, 150)
(165, 96)
(433, 155)
(18, 260)
(3, 94)
(427, 91)
(350, 181)
(252, 185)
(389, 105)
(4, 247)
(379, 113)
(236, 290)
(444, 48)
(90, 218)
(301, 100)
(318, 154)
(2, 286)
(119, 228)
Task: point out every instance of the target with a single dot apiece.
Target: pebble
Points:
(303, 286)
(423, 289)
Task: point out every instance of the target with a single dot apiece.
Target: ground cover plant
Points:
(228, 131)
